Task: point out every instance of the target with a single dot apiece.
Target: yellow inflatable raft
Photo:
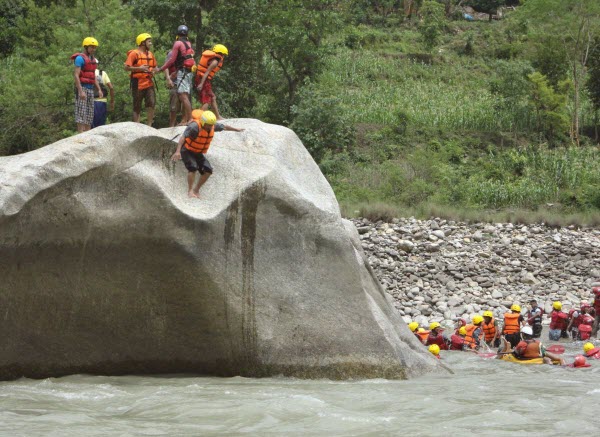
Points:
(511, 358)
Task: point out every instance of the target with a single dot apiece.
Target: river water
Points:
(483, 396)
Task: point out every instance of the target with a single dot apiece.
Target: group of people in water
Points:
(182, 75)
(519, 334)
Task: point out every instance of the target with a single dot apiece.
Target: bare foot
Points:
(192, 194)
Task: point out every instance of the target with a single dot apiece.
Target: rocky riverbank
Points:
(437, 270)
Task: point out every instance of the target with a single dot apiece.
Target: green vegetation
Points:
(405, 105)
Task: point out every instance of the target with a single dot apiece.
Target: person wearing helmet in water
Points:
(580, 323)
(208, 65)
(457, 340)
(579, 361)
(141, 65)
(596, 293)
(491, 331)
(435, 350)
(513, 320)
(591, 351)
(534, 318)
(474, 336)
(194, 144)
(413, 326)
(436, 336)
(85, 83)
(558, 322)
(182, 58)
(529, 348)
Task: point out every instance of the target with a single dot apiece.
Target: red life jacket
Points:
(456, 342)
(87, 74)
(205, 60)
(528, 349)
(576, 320)
(187, 59)
(437, 339)
(201, 143)
(489, 330)
(594, 353)
(585, 331)
(511, 323)
(533, 320)
(587, 320)
(558, 320)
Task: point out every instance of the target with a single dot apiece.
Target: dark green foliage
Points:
(488, 6)
(432, 24)
(550, 58)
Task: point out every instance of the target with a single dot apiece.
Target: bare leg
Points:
(216, 108)
(190, 180)
(203, 179)
(204, 106)
(136, 117)
(186, 105)
(81, 127)
(150, 113)
(172, 118)
(553, 357)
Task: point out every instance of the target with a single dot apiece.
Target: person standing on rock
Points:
(85, 83)
(182, 58)
(194, 144)
(491, 330)
(209, 64)
(513, 321)
(534, 318)
(141, 64)
(558, 322)
(436, 336)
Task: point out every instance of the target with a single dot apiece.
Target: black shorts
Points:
(195, 161)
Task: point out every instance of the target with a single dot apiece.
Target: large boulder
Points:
(109, 268)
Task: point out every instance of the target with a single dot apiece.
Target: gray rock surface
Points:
(109, 268)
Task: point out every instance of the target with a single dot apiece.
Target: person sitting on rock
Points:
(591, 351)
(194, 144)
(491, 331)
(513, 321)
(558, 322)
(529, 348)
(435, 350)
(457, 340)
(436, 336)
(534, 318)
(474, 336)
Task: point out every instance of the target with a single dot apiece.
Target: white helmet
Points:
(527, 330)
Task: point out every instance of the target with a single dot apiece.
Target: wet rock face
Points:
(437, 270)
(108, 267)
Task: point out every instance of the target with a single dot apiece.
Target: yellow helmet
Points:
(462, 331)
(208, 117)
(90, 41)
(588, 347)
(434, 349)
(220, 48)
(142, 37)
(557, 305)
(413, 326)
(477, 319)
(488, 314)
(516, 308)
(433, 326)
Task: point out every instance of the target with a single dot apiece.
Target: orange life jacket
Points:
(201, 143)
(205, 60)
(511, 323)
(423, 335)
(87, 74)
(528, 349)
(143, 59)
(470, 340)
(489, 330)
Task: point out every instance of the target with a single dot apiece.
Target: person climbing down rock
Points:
(194, 144)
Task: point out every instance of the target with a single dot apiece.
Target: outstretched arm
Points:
(231, 128)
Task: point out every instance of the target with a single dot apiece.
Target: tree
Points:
(488, 6)
(550, 105)
(593, 81)
(432, 24)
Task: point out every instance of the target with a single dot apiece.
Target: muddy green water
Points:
(483, 396)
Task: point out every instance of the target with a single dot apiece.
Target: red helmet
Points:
(580, 361)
